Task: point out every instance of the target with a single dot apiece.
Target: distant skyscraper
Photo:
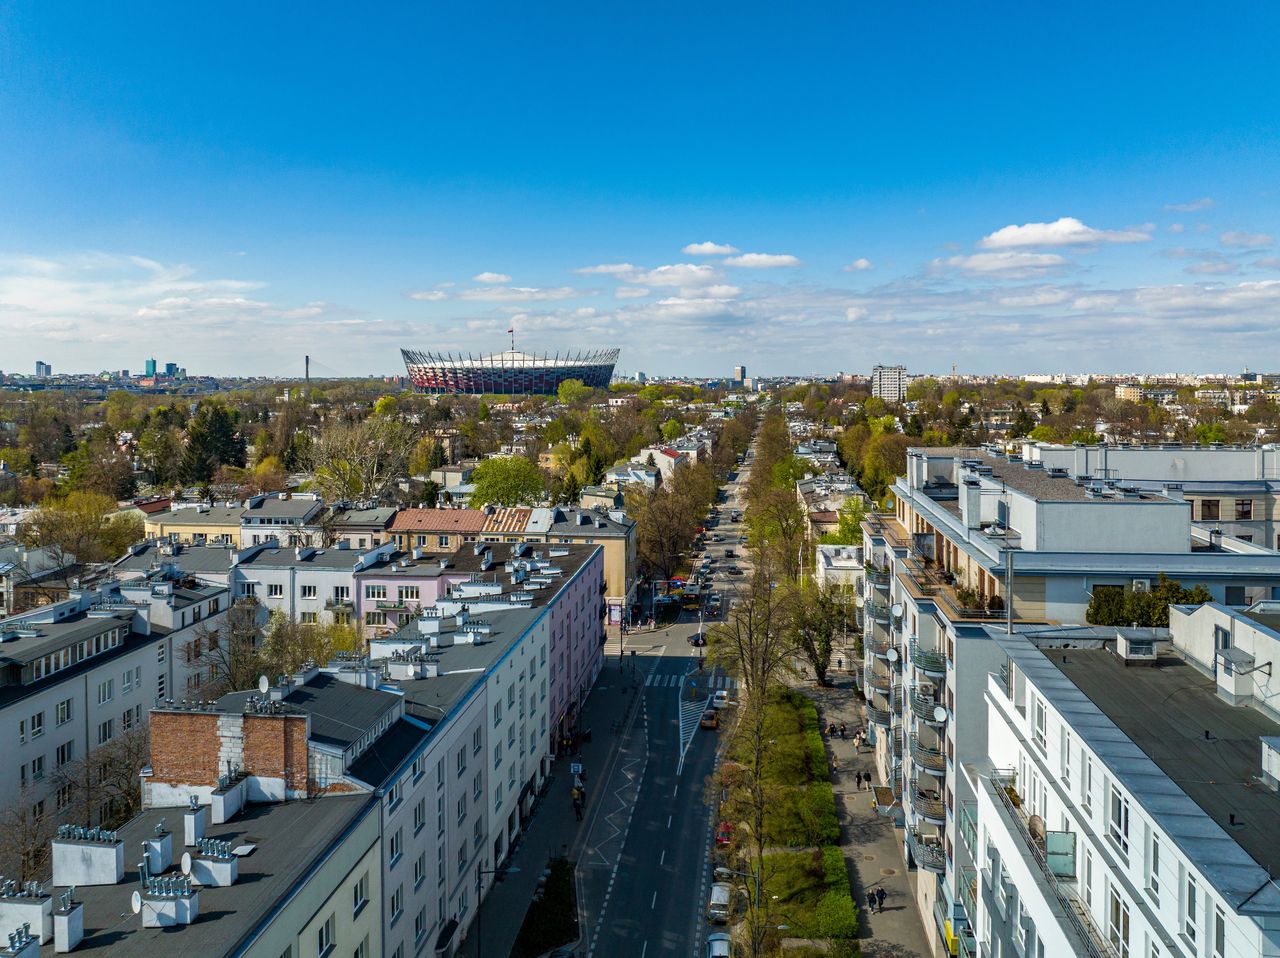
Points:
(640, 377)
(739, 373)
(889, 383)
(151, 367)
(171, 370)
(43, 370)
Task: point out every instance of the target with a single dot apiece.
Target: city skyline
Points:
(826, 191)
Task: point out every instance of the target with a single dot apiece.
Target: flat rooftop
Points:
(214, 559)
(1165, 711)
(341, 712)
(290, 837)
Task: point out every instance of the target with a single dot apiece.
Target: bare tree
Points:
(359, 460)
(820, 613)
(26, 827)
(230, 654)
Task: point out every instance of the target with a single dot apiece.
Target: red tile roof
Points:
(508, 520)
(439, 520)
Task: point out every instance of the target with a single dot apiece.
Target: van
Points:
(718, 908)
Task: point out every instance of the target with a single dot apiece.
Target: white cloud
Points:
(1067, 231)
(1242, 240)
(1195, 205)
(630, 292)
(762, 260)
(607, 269)
(858, 265)
(855, 313)
(491, 279)
(1010, 264)
(1212, 267)
(1176, 227)
(677, 274)
(1267, 262)
(722, 291)
(519, 294)
(1042, 296)
(429, 295)
(709, 249)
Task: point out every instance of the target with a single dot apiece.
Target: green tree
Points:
(508, 481)
(212, 441)
(672, 430)
(83, 525)
(573, 391)
(360, 460)
(849, 530)
(1114, 605)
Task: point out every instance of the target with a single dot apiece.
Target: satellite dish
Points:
(136, 902)
(186, 863)
(263, 685)
(939, 713)
(892, 655)
(896, 610)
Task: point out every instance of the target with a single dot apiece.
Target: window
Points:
(308, 592)
(161, 685)
(130, 717)
(439, 813)
(440, 864)
(1086, 784)
(477, 787)
(419, 869)
(477, 740)
(1208, 508)
(1244, 509)
(248, 589)
(462, 808)
(1190, 922)
(1118, 924)
(1064, 759)
(375, 618)
(37, 725)
(342, 593)
(362, 949)
(324, 937)
(420, 923)
(511, 696)
(477, 832)
(64, 796)
(1219, 933)
(375, 591)
(407, 592)
(395, 794)
(275, 590)
(462, 859)
(106, 731)
(62, 712)
(440, 773)
(1235, 595)
(65, 753)
(160, 654)
(37, 768)
(497, 755)
(397, 902)
(397, 845)
(497, 714)
(360, 895)
(462, 761)
(444, 542)
(308, 618)
(1153, 869)
(1118, 821)
(106, 691)
(1039, 722)
(419, 815)
(497, 795)
(1086, 878)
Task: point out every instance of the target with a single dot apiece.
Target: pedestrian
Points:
(577, 810)
(842, 730)
(880, 897)
(857, 781)
(871, 900)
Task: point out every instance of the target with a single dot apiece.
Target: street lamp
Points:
(481, 871)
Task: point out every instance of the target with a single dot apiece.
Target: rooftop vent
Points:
(1135, 650)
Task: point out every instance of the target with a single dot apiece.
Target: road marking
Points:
(644, 949)
(653, 903)
(663, 859)
(668, 821)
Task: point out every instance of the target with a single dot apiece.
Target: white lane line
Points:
(644, 949)
(668, 821)
(663, 859)
(653, 903)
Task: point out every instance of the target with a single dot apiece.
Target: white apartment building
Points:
(78, 674)
(976, 538)
(1126, 807)
(890, 383)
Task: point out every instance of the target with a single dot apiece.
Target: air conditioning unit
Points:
(1141, 585)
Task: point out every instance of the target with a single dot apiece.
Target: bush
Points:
(813, 893)
(551, 920)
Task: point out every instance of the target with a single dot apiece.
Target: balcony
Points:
(932, 583)
(932, 664)
(928, 855)
(897, 743)
(966, 947)
(879, 646)
(931, 760)
(879, 717)
(1058, 871)
(390, 605)
(877, 612)
(890, 529)
(928, 806)
(879, 682)
(967, 814)
(336, 603)
(877, 577)
(968, 886)
(925, 705)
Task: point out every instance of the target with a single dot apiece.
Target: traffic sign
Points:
(575, 768)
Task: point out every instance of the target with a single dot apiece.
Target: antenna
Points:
(186, 863)
(136, 902)
(264, 686)
(306, 362)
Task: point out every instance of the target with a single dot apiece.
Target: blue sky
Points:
(231, 190)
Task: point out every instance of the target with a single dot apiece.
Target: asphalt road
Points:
(647, 881)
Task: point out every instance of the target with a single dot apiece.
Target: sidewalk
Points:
(552, 830)
(872, 846)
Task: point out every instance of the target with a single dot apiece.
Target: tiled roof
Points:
(508, 520)
(439, 520)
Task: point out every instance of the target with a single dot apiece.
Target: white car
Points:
(720, 700)
(719, 945)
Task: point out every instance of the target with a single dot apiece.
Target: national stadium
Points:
(507, 373)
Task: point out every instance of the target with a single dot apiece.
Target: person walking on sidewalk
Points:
(871, 900)
(880, 897)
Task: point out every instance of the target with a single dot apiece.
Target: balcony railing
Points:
(925, 707)
(877, 577)
(927, 807)
(931, 581)
(1090, 935)
(967, 815)
(390, 604)
(877, 611)
(879, 717)
(969, 893)
(931, 663)
(879, 682)
(932, 857)
(930, 759)
(336, 603)
(888, 527)
(879, 645)
(966, 947)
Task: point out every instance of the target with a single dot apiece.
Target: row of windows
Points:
(78, 652)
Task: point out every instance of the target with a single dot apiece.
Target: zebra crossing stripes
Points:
(672, 681)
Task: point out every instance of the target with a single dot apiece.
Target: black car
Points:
(698, 639)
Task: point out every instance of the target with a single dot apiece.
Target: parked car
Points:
(721, 699)
(698, 639)
(730, 554)
(710, 719)
(734, 570)
(719, 945)
(720, 907)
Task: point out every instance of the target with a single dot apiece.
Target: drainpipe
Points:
(1008, 591)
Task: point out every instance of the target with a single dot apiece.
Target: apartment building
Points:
(360, 527)
(309, 585)
(292, 519)
(978, 537)
(436, 529)
(34, 577)
(78, 674)
(196, 523)
(1126, 806)
(890, 383)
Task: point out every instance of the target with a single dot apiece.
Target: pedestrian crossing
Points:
(671, 681)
